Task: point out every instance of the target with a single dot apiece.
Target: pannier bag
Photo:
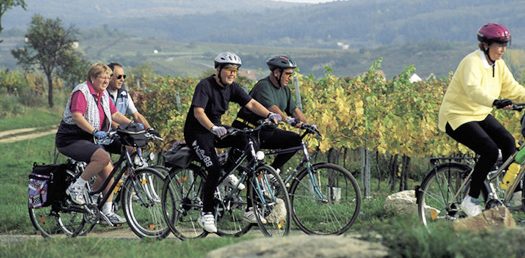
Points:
(180, 155)
(133, 135)
(47, 184)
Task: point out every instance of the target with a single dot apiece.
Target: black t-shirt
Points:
(214, 99)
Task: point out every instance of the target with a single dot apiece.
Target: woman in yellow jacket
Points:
(481, 81)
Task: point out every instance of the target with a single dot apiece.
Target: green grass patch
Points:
(32, 117)
(99, 247)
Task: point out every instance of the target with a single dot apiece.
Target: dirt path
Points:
(24, 134)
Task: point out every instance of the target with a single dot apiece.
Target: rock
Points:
(495, 218)
(403, 202)
(301, 246)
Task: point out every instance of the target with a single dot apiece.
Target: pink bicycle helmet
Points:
(493, 32)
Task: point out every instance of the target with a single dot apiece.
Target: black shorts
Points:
(82, 150)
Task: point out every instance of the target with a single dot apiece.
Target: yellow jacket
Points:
(474, 87)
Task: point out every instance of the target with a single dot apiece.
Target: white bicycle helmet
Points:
(225, 58)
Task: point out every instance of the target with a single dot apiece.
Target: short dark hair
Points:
(112, 66)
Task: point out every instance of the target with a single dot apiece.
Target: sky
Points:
(306, 1)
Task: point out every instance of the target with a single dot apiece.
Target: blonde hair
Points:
(98, 69)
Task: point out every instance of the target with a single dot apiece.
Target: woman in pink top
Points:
(88, 114)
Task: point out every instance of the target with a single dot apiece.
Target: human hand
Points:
(153, 131)
(100, 134)
(502, 103)
(276, 118)
(292, 121)
(219, 131)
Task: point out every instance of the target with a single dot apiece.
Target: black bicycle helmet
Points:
(281, 62)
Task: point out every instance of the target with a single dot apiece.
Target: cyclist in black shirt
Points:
(203, 129)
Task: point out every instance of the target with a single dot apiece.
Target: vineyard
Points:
(394, 120)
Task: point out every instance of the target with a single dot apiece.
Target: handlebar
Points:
(262, 124)
(113, 135)
(516, 107)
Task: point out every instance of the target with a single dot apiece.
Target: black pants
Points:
(484, 138)
(276, 138)
(204, 146)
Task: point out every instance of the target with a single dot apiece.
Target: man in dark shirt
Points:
(203, 129)
(273, 93)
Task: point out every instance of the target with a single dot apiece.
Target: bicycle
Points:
(443, 188)
(140, 201)
(325, 197)
(183, 186)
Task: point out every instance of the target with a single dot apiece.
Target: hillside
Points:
(344, 35)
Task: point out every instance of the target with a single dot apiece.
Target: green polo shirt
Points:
(268, 95)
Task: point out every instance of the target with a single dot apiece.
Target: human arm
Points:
(203, 119)
(257, 108)
(82, 123)
(120, 118)
(138, 117)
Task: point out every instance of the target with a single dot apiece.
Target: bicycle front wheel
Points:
(182, 204)
(326, 199)
(230, 207)
(270, 200)
(441, 193)
(142, 204)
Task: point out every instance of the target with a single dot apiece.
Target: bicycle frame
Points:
(304, 164)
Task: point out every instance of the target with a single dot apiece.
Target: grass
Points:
(402, 234)
(32, 117)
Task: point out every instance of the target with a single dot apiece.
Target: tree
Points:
(48, 46)
(8, 4)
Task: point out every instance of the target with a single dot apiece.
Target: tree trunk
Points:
(379, 172)
(365, 171)
(393, 172)
(403, 184)
(50, 90)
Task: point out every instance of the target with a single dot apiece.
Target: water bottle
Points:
(510, 176)
(520, 156)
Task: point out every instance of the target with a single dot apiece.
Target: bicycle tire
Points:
(142, 205)
(46, 221)
(270, 199)
(436, 201)
(230, 206)
(181, 201)
(332, 210)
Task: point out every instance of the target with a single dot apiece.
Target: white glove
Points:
(219, 131)
(275, 117)
(292, 120)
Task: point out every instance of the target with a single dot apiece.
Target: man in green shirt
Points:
(274, 94)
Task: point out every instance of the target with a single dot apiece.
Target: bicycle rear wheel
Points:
(438, 196)
(46, 221)
(142, 204)
(270, 201)
(325, 199)
(182, 204)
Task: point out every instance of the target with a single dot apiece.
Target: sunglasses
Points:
(120, 76)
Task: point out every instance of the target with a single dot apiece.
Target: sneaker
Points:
(114, 218)
(249, 216)
(233, 182)
(76, 193)
(471, 206)
(207, 222)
